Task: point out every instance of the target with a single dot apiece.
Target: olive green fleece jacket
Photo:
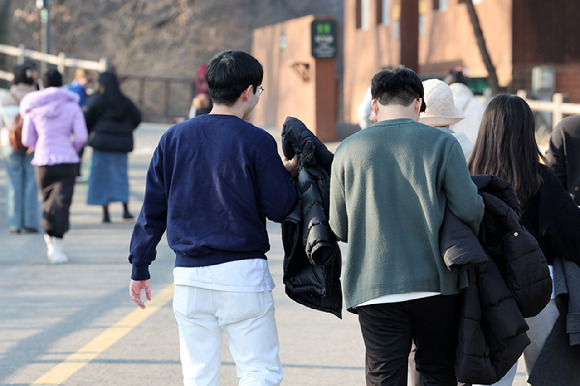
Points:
(389, 186)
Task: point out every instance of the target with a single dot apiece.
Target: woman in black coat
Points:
(506, 147)
(111, 118)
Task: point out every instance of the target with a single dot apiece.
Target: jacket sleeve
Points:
(79, 129)
(563, 233)
(90, 111)
(152, 220)
(275, 190)
(337, 215)
(556, 157)
(29, 134)
(458, 245)
(462, 197)
(135, 115)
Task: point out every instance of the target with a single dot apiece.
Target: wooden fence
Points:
(557, 107)
(61, 61)
(159, 99)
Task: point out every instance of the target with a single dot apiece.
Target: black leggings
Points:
(56, 184)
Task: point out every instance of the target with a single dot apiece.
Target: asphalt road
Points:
(74, 324)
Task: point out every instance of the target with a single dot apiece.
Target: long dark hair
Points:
(112, 98)
(109, 88)
(506, 146)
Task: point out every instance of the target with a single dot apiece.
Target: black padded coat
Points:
(508, 276)
(312, 258)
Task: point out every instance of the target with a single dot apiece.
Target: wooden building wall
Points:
(295, 83)
(547, 33)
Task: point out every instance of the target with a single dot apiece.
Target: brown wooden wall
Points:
(295, 83)
(547, 33)
(448, 42)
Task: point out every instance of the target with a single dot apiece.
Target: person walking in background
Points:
(506, 147)
(201, 103)
(51, 117)
(364, 111)
(466, 102)
(366, 115)
(82, 81)
(111, 118)
(389, 187)
(563, 155)
(441, 112)
(21, 189)
(212, 182)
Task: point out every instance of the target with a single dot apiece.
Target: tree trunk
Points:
(491, 74)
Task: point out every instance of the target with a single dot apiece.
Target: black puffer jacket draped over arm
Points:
(508, 279)
(312, 258)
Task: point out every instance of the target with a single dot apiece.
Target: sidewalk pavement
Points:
(65, 321)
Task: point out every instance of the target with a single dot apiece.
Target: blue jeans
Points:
(21, 189)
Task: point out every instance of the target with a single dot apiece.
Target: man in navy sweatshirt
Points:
(212, 182)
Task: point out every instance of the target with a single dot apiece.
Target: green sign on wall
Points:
(323, 39)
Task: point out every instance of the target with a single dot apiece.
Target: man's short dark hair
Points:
(397, 86)
(229, 73)
(52, 78)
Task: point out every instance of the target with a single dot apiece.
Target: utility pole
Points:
(45, 8)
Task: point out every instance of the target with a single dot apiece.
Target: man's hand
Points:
(135, 291)
(291, 165)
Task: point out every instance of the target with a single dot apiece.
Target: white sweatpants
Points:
(247, 317)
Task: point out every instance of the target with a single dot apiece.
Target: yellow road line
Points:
(106, 339)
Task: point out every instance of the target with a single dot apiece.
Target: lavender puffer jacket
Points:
(51, 117)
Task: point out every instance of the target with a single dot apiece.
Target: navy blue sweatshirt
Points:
(212, 182)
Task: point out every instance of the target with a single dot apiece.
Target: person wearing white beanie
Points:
(441, 112)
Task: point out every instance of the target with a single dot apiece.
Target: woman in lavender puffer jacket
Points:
(51, 117)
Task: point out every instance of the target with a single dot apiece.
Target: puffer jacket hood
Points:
(48, 103)
(461, 94)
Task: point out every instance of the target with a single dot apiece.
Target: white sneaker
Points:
(57, 256)
(49, 247)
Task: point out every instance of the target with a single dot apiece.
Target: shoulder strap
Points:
(16, 99)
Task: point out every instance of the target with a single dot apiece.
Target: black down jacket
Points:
(505, 265)
(512, 247)
(492, 330)
(312, 259)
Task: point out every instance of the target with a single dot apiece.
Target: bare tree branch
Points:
(491, 73)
